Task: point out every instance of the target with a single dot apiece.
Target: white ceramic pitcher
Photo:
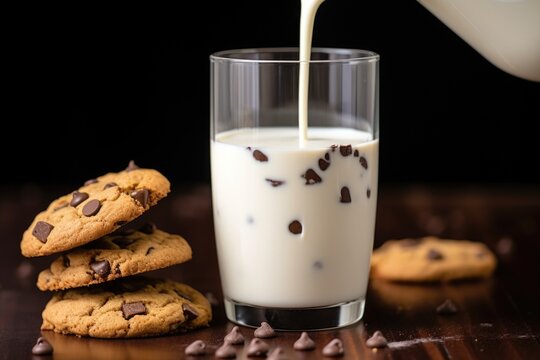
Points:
(506, 32)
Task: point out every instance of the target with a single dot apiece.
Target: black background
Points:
(95, 86)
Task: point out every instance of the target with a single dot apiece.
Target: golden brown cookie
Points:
(432, 259)
(115, 256)
(131, 307)
(96, 209)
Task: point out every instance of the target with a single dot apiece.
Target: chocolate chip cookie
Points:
(115, 256)
(130, 307)
(96, 209)
(432, 259)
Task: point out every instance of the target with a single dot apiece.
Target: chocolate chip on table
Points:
(368, 193)
(42, 230)
(226, 351)
(434, 255)
(148, 228)
(295, 227)
(101, 268)
(91, 208)
(90, 182)
(110, 185)
(235, 337)
(377, 340)
(447, 308)
(311, 177)
(323, 164)
(345, 195)
(363, 162)
(264, 331)
(189, 312)
(356, 153)
(277, 354)
(260, 156)
(196, 348)
(42, 347)
(141, 195)
(131, 309)
(132, 166)
(275, 183)
(345, 150)
(257, 347)
(78, 197)
(304, 343)
(333, 349)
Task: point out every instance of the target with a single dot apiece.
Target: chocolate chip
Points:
(327, 157)
(368, 193)
(363, 162)
(65, 261)
(131, 309)
(323, 164)
(91, 208)
(189, 312)
(78, 197)
(149, 251)
(141, 195)
(377, 340)
(295, 227)
(235, 337)
(196, 348)
(434, 255)
(264, 331)
(345, 150)
(132, 166)
(304, 343)
(226, 351)
(277, 354)
(345, 195)
(90, 182)
(61, 207)
(42, 230)
(42, 347)
(257, 347)
(311, 177)
(212, 299)
(260, 156)
(318, 265)
(356, 153)
(447, 308)
(101, 268)
(333, 349)
(148, 228)
(275, 183)
(110, 185)
(183, 295)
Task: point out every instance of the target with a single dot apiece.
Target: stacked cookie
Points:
(96, 294)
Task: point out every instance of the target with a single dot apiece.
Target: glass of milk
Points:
(294, 210)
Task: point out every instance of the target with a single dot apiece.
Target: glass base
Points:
(315, 318)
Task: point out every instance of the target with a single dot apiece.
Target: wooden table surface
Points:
(498, 318)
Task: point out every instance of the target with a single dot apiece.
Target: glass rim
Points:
(351, 55)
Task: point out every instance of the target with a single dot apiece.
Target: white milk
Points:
(261, 261)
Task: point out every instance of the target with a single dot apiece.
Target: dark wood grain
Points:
(498, 318)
